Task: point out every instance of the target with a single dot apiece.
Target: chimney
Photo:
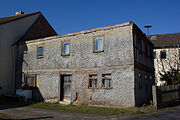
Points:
(19, 12)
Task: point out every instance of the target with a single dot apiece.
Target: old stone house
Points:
(110, 65)
(20, 27)
(166, 53)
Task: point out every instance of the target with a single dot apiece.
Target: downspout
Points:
(13, 61)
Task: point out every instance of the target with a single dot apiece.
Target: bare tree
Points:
(168, 68)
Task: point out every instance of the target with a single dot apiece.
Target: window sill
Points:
(65, 55)
(107, 88)
(99, 51)
(163, 59)
(93, 88)
(40, 57)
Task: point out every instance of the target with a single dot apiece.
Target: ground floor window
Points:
(30, 80)
(106, 80)
(92, 80)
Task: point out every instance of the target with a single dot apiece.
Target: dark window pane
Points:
(140, 45)
(93, 75)
(146, 49)
(106, 75)
(40, 51)
(154, 53)
(163, 55)
(90, 83)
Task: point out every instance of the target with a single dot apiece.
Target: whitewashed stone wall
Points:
(117, 59)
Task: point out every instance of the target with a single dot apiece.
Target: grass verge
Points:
(85, 109)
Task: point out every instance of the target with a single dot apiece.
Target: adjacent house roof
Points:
(4, 20)
(39, 29)
(165, 40)
(82, 32)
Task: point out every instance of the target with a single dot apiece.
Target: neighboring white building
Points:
(21, 27)
(166, 53)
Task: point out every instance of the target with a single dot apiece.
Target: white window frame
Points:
(106, 78)
(66, 51)
(98, 47)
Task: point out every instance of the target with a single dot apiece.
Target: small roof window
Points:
(153, 37)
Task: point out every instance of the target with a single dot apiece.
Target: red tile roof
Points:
(165, 40)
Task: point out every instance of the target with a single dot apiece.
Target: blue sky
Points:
(68, 16)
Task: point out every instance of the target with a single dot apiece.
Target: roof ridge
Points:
(8, 19)
(165, 34)
(97, 29)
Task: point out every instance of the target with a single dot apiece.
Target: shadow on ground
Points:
(13, 102)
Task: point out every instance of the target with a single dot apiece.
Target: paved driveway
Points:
(26, 113)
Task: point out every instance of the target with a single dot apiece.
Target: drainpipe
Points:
(14, 70)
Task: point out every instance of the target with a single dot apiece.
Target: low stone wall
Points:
(164, 96)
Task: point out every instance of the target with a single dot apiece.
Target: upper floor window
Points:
(146, 49)
(135, 39)
(65, 49)
(40, 51)
(98, 44)
(106, 80)
(154, 54)
(163, 54)
(140, 45)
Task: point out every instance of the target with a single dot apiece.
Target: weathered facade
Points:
(166, 54)
(107, 65)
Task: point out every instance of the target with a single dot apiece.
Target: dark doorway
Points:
(65, 88)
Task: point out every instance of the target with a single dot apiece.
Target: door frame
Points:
(61, 86)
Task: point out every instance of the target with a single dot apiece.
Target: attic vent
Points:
(153, 37)
(19, 12)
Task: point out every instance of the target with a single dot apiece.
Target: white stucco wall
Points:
(10, 33)
(172, 60)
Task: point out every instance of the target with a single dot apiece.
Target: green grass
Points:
(105, 111)
(85, 109)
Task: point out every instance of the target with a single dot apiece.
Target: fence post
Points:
(154, 93)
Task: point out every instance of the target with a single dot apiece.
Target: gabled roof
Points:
(80, 32)
(165, 40)
(4, 20)
(39, 28)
